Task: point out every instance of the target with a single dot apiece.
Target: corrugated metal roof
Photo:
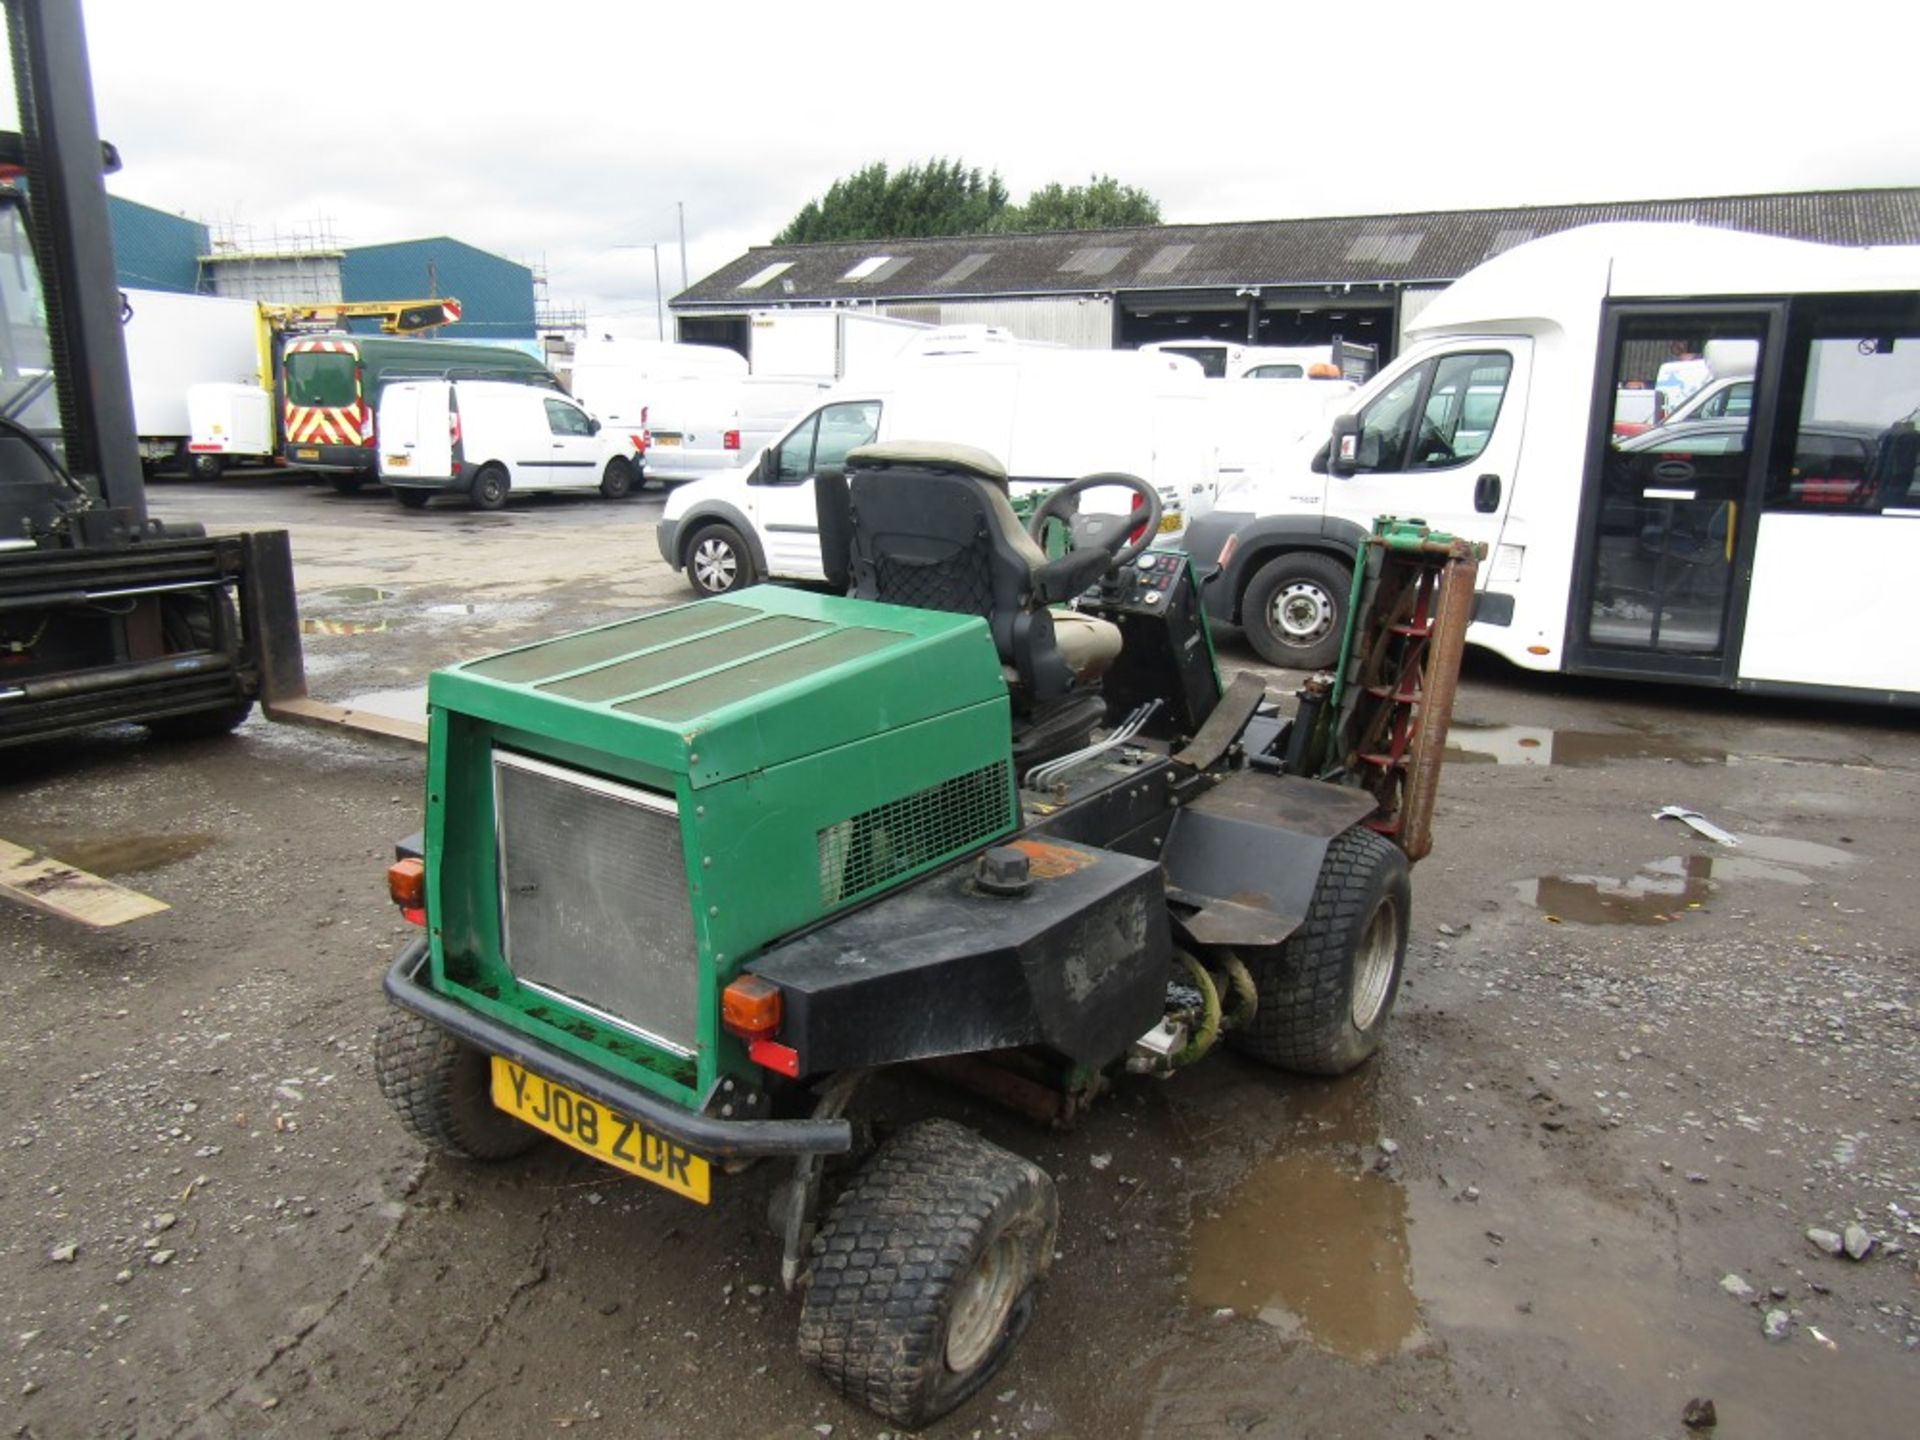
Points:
(1434, 246)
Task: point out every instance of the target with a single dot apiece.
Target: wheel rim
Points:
(981, 1305)
(715, 566)
(1373, 965)
(1302, 613)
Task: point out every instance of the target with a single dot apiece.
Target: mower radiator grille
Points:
(867, 850)
(594, 907)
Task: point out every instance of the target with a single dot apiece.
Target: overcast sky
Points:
(563, 133)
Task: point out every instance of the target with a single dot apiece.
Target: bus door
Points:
(1668, 511)
(1839, 522)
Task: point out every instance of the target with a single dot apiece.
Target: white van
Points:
(699, 427)
(1048, 415)
(487, 439)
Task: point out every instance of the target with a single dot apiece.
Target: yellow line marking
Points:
(47, 884)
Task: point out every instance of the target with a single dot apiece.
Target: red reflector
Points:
(414, 915)
(731, 440)
(774, 1056)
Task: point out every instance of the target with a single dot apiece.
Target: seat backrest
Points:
(931, 528)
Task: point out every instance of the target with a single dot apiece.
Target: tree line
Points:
(946, 197)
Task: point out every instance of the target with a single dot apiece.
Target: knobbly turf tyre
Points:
(412, 497)
(617, 480)
(717, 560)
(1295, 610)
(489, 488)
(924, 1273)
(186, 623)
(1326, 995)
(347, 484)
(441, 1087)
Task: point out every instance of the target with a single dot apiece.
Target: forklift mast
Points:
(72, 241)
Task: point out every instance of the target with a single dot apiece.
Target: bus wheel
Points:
(1295, 611)
(489, 490)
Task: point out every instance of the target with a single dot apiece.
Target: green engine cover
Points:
(618, 819)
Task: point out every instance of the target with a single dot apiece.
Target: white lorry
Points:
(175, 342)
(1049, 415)
(1763, 549)
(489, 439)
(826, 344)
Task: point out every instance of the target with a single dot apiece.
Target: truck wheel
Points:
(489, 488)
(204, 467)
(1295, 610)
(924, 1273)
(413, 498)
(618, 479)
(347, 484)
(187, 623)
(718, 560)
(441, 1088)
(1326, 994)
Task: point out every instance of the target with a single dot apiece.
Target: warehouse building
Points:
(155, 250)
(1362, 278)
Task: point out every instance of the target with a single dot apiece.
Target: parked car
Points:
(487, 439)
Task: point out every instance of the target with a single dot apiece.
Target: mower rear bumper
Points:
(702, 1134)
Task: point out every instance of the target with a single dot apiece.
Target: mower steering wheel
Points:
(1102, 532)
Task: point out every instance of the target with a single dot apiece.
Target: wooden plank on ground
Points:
(371, 721)
(46, 884)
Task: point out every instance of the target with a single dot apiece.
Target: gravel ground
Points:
(1631, 1071)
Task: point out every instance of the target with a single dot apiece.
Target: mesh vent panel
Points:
(869, 849)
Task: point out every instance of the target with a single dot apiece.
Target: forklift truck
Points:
(106, 614)
(687, 880)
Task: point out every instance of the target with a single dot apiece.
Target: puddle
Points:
(1471, 744)
(315, 626)
(407, 703)
(1667, 888)
(359, 594)
(1317, 1248)
(122, 854)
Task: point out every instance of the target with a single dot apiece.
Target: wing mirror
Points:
(1343, 452)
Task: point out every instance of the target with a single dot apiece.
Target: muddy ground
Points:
(1631, 1069)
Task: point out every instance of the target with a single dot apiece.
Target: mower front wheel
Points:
(441, 1088)
(924, 1273)
(1325, 996)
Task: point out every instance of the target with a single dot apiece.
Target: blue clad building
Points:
(495, 294)
(155, 250)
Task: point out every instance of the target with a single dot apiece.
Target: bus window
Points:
(1856, 448)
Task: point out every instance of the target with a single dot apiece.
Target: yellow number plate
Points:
(399, 462)
(306, 454)
(593, 1129)
(666, 442)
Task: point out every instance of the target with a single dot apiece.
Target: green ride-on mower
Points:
(688, 879)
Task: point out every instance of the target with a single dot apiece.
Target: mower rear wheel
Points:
(924, 1273)
(441, 1088)
(1325, 996)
